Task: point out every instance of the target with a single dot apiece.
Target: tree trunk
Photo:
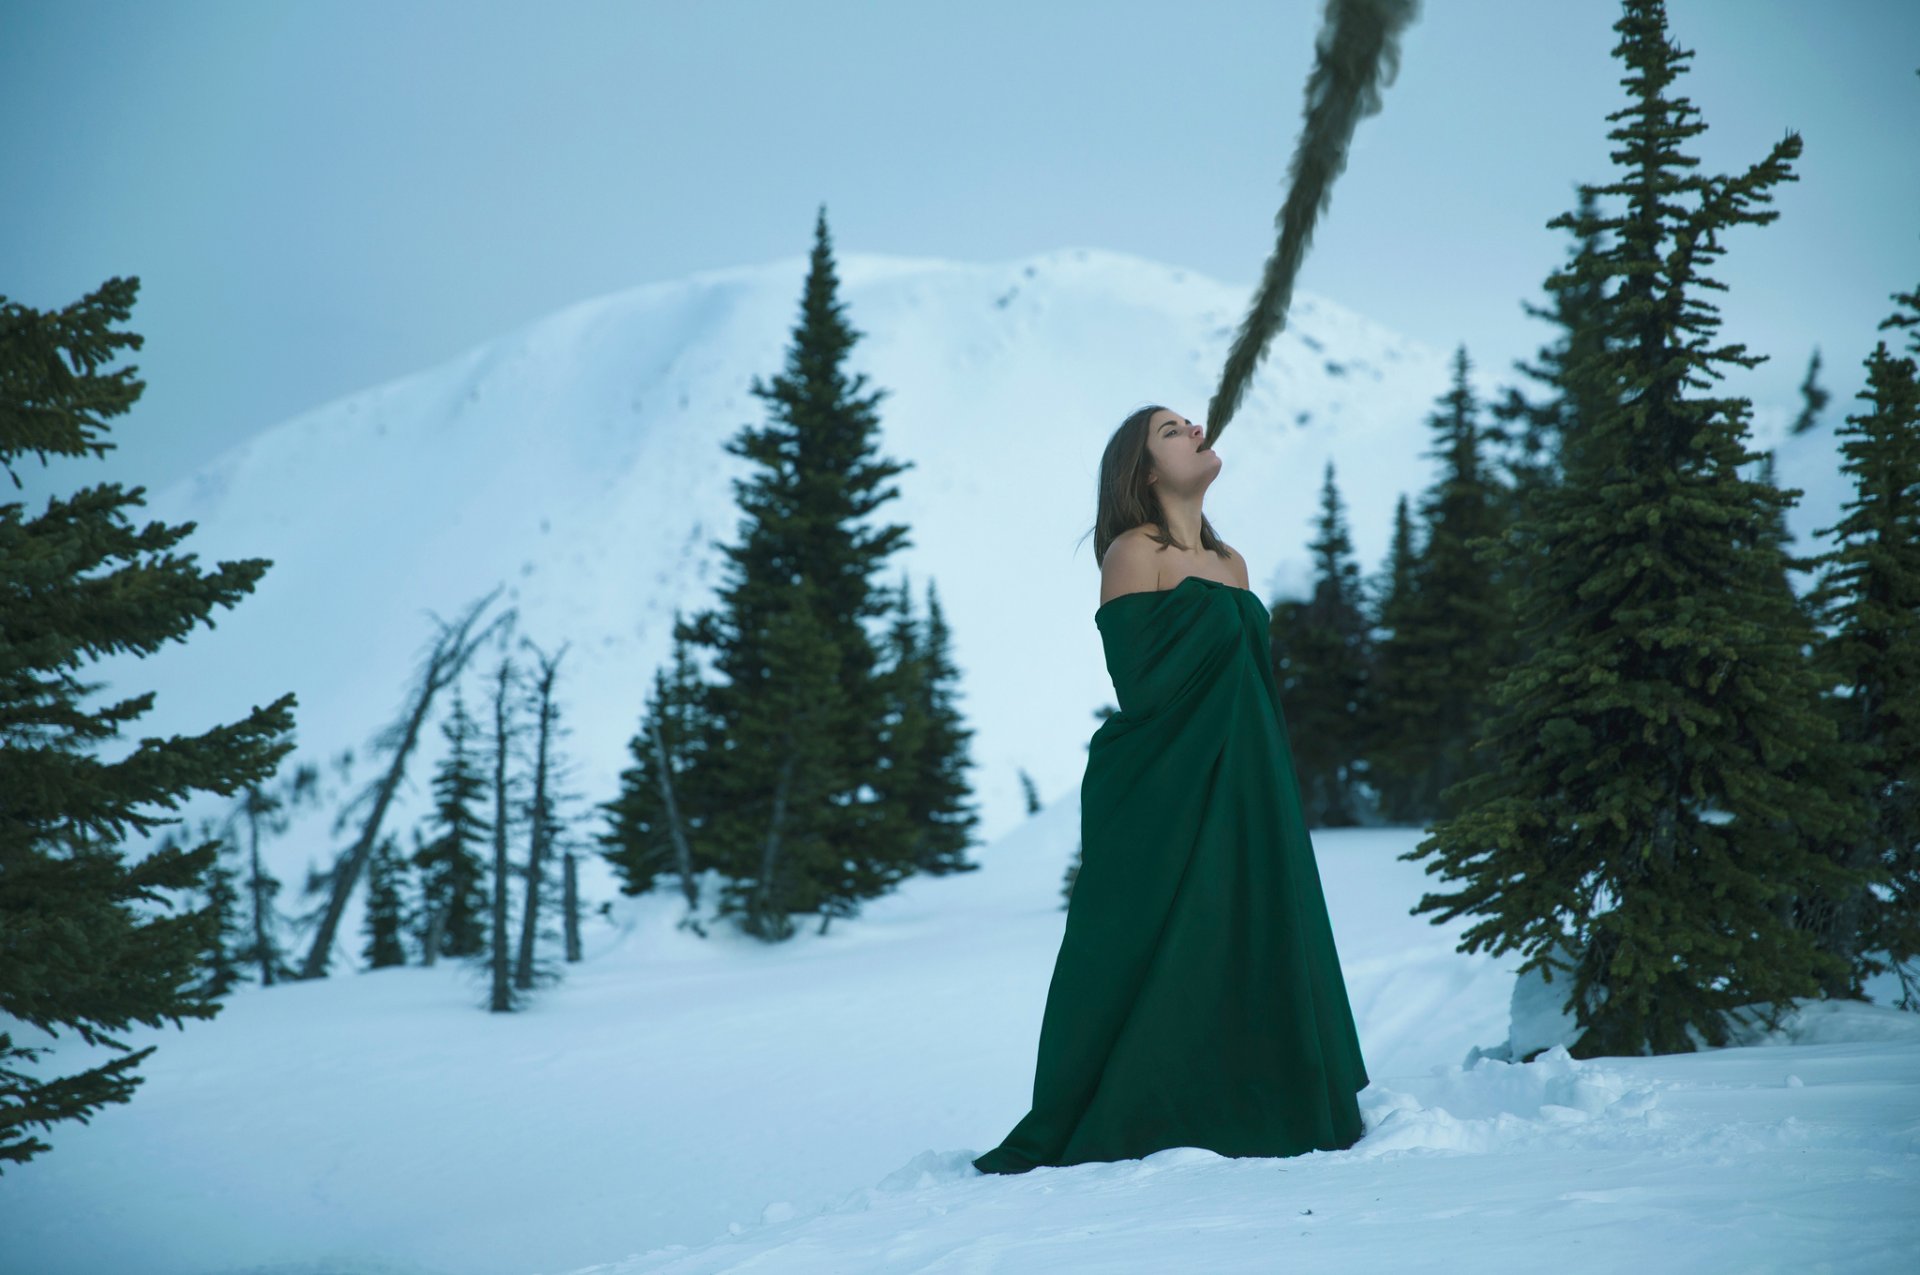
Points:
(450, 654)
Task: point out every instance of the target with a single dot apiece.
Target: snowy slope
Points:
(580, 462)
(685, 1105)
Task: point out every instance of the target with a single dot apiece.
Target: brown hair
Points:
(1126, 499)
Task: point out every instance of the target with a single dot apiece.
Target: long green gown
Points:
(1197, 998)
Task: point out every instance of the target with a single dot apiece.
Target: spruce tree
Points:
(451, 862)
(386, 906)
(796, 725)
(1320, 660)
(1868, 604)
(1450, 627)
(1662, 772)
(655, 822)
(942, 810)
(1391, 756)
(78, 582)
(905, 744)
(218, 963)
(259, 812)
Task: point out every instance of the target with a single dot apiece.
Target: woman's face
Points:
(1178, 462)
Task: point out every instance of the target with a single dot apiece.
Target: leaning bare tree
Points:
(451, 650)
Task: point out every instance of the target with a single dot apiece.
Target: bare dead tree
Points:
(448, 656)
(676, 829)
(547, 667)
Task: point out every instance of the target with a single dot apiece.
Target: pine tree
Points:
(1392, 757)
(1450, 627)
(217, 959)
(655, 824)
(1868, 602)
(79, 582)
(1531, 438)
(1663, 774)
(384, 919)
(1320, 660)
(940, 813)
(796, 724)
(262, 811)
(907, 721)
(453, 872)
(1530, 441)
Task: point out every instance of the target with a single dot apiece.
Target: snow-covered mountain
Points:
(580, 462)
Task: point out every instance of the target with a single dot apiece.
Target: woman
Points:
(1197, 998)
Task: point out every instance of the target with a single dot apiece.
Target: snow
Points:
(683, 1105)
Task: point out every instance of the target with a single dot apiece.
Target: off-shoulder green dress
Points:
(1197, 998)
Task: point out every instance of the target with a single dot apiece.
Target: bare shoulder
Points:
(1129, 566)
(1237, 566)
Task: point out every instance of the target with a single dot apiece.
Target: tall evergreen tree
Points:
(1396, 670)
(386, 907)
(259, 812)
(1451, 628)
(942, 816)
(80, 581)
(906, 715)
(797, 722)
(221, 970)
(1868, 604)
(453, 871)
(1320, 658)
(1531, 437)
(1663, 775)
(655, 822)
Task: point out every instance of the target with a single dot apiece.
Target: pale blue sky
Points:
(319, 197)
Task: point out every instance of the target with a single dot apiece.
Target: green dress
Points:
(1197, 998)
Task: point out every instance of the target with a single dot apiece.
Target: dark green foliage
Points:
(80, 581)
(1395, 670)
(1814, 397)
(452, 863)
(1029, 792)
(926, 745)
(639, 840)
(224, 933)
(796, 726)
(386, 907)
(1662, 779)
(1449, 623)
(1868, 603)
(1320, 656)
(262, 811)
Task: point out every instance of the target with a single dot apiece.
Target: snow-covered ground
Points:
(683, 1105)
